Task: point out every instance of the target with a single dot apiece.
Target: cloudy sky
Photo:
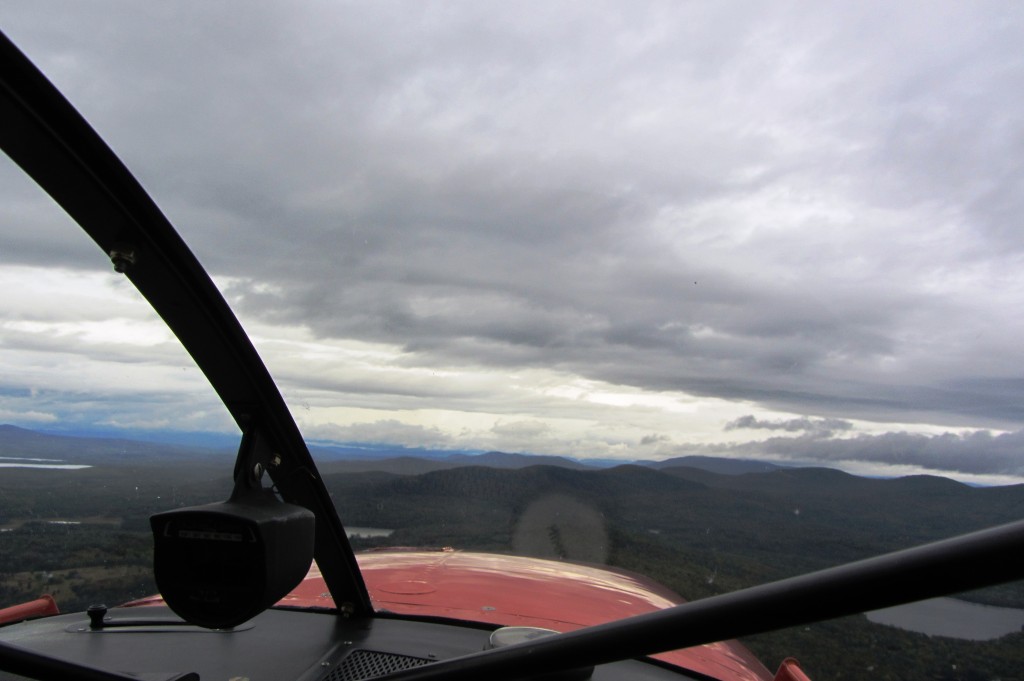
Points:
(780, 230)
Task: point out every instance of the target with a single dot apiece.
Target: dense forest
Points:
(83, 535)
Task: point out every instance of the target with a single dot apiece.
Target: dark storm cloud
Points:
(811, 209)
(980, 452)
(812, 426)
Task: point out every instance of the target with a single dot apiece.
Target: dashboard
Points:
(152, 643)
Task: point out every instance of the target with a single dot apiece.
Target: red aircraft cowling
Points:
(516, 591)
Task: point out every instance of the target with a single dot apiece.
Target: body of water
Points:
(369, 532)
(29, 459)
(52, 466)
(953, 618)
(29, 462)
(91, 520)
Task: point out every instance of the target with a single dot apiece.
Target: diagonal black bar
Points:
(44, 134)
(971, 561)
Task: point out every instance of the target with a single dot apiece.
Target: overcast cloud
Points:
(583, 229)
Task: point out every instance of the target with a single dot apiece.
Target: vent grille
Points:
(369, 664)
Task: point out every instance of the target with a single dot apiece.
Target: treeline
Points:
(733, 530)
(698, 533)
(39, 546)
(78, 564)
(114, 491)
(106, 557)
(702, 534)
(854, 649)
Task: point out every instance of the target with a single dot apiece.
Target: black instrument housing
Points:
(218, 565)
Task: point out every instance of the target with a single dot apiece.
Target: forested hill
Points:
(701, 534)
(697, 531)
(734, 529)
(716, 464)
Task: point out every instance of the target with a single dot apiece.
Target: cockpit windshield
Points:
(679, 300)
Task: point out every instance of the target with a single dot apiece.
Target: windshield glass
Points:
(93, 383)
(714, 295)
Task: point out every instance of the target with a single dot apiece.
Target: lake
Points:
(368, 532)
(50, 466)
(953, 618)
(29, 462)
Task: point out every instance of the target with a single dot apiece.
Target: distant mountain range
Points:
(332, 458)
(413, 465)
(18, 442)
(716, 464)
(701, 526)
(733, 522)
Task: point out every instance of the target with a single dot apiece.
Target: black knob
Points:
(96, 614)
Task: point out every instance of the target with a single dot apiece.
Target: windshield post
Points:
(56, 147)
